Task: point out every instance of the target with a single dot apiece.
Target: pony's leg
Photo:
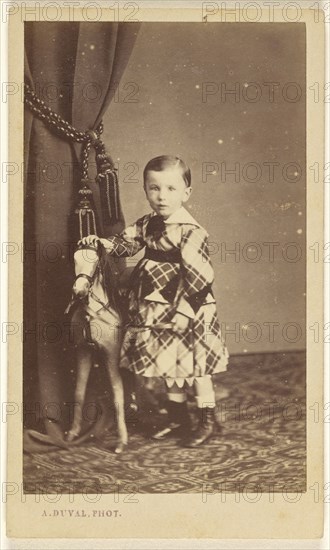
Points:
(118, 396)
(130, 392)
(84, 364)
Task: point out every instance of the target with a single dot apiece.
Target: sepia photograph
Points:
(164, 263)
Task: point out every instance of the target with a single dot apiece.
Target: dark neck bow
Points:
(155, 227)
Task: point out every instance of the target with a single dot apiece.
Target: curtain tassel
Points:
(107, 179)
(85, 212)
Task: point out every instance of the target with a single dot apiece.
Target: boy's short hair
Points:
(158, 164)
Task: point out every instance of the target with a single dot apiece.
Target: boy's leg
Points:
(207, 425)
(178, 416)
(175, 393)
(204, 392)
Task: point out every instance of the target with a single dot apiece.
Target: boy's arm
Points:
(197, 271)
(128, 243)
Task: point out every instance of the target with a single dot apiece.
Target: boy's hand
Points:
(91, 240)
(181, 322)
(94, 240)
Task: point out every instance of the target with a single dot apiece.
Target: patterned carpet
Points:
(261, 405)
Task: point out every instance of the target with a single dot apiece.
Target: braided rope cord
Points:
(64, 129)
(106, 176)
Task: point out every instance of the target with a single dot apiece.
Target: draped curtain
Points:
(75, 69)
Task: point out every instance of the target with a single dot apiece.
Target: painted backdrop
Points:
(229, 99)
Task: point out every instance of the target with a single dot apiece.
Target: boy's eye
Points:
(171, 188)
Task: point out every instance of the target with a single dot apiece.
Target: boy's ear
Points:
(188, 191)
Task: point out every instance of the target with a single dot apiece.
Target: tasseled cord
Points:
(86, 214)
(106, 176)
(108, 185)
(106, 172)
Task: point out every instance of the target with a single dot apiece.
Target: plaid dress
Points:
(175, 276)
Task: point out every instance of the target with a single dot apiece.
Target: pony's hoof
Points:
(120, 448)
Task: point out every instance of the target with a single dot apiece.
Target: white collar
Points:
(181, 216)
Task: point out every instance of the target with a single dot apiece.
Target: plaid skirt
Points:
(151, 347)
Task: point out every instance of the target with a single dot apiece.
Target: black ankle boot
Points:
(207, 427)
(178, 422)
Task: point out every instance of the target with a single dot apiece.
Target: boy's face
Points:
(166, 191)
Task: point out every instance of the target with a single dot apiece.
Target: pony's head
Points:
(86, 260)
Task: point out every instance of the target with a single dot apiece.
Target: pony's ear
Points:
(99, 249)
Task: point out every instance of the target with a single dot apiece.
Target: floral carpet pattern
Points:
(262, 446)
